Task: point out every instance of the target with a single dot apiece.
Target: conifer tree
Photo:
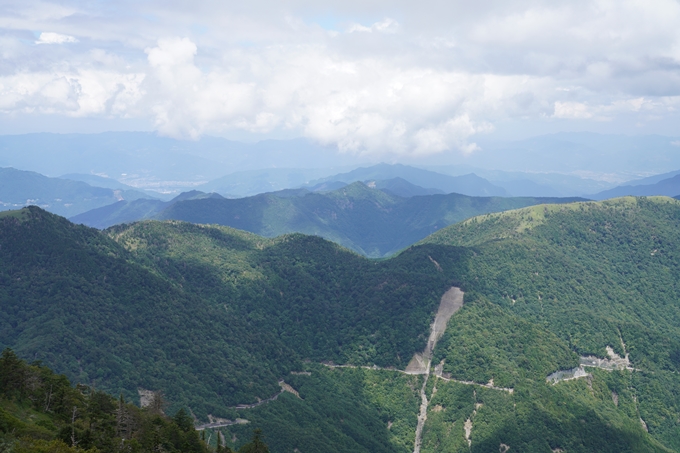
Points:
(256, 445)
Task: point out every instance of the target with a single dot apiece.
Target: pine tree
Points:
(183, 420)
(256, 445)
(12, 373)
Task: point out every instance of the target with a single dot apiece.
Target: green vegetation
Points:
(339, 410)
(211, 316)
(368, 221)
(215, 317)
(483, 342)
(588, 275)
(41, 412)
(575, 416)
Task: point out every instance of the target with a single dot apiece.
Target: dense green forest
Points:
(216, 317)
(369, 221)
(210, 315)
(40, 412)
(592, 275)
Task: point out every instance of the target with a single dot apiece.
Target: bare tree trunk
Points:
(73, 426)
(48, 399)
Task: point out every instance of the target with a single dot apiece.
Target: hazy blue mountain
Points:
(327, 186)
(146, 160)
(60, 196)
(134, 210)
(401, 187)
(471, 184)
(110, 183)
(97, 181)
(669, 187)
(527, 183)
(652, 179)
(527, 188)
(120, 212)
(195, 195)
(252, 182)
(160, 163)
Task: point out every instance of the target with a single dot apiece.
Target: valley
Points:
(372, 222)
(339, 227)
(230, 325)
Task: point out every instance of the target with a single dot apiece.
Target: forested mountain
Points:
(215, 317)
(41, 412)
(244, 305)
(595, 275)
(372, 222)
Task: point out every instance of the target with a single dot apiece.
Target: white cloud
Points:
(384, 26)
(54, 38)
(78, 94)
(572, 110)
(426, 78)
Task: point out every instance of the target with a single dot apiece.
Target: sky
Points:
(368, 77)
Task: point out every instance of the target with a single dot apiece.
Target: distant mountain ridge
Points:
(669, 187)
(368, 220)
(252, 182)
(219, 319)
(65, 197)
(470, 184)
(133, 210)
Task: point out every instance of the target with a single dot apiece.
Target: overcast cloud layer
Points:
(410, 78)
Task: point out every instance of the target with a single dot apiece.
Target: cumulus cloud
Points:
(384, 26)
(54, 38)
(401, 78)
(79, 94)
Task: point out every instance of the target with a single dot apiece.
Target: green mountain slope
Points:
(217, 317)
(595, 275)
(211, 315)
(40, 412)
(366, 220)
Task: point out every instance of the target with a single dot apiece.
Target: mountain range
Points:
(61, 196)
(549, 165)
(365, 219)
(667, 185)
(469, 184)
(566, 339)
